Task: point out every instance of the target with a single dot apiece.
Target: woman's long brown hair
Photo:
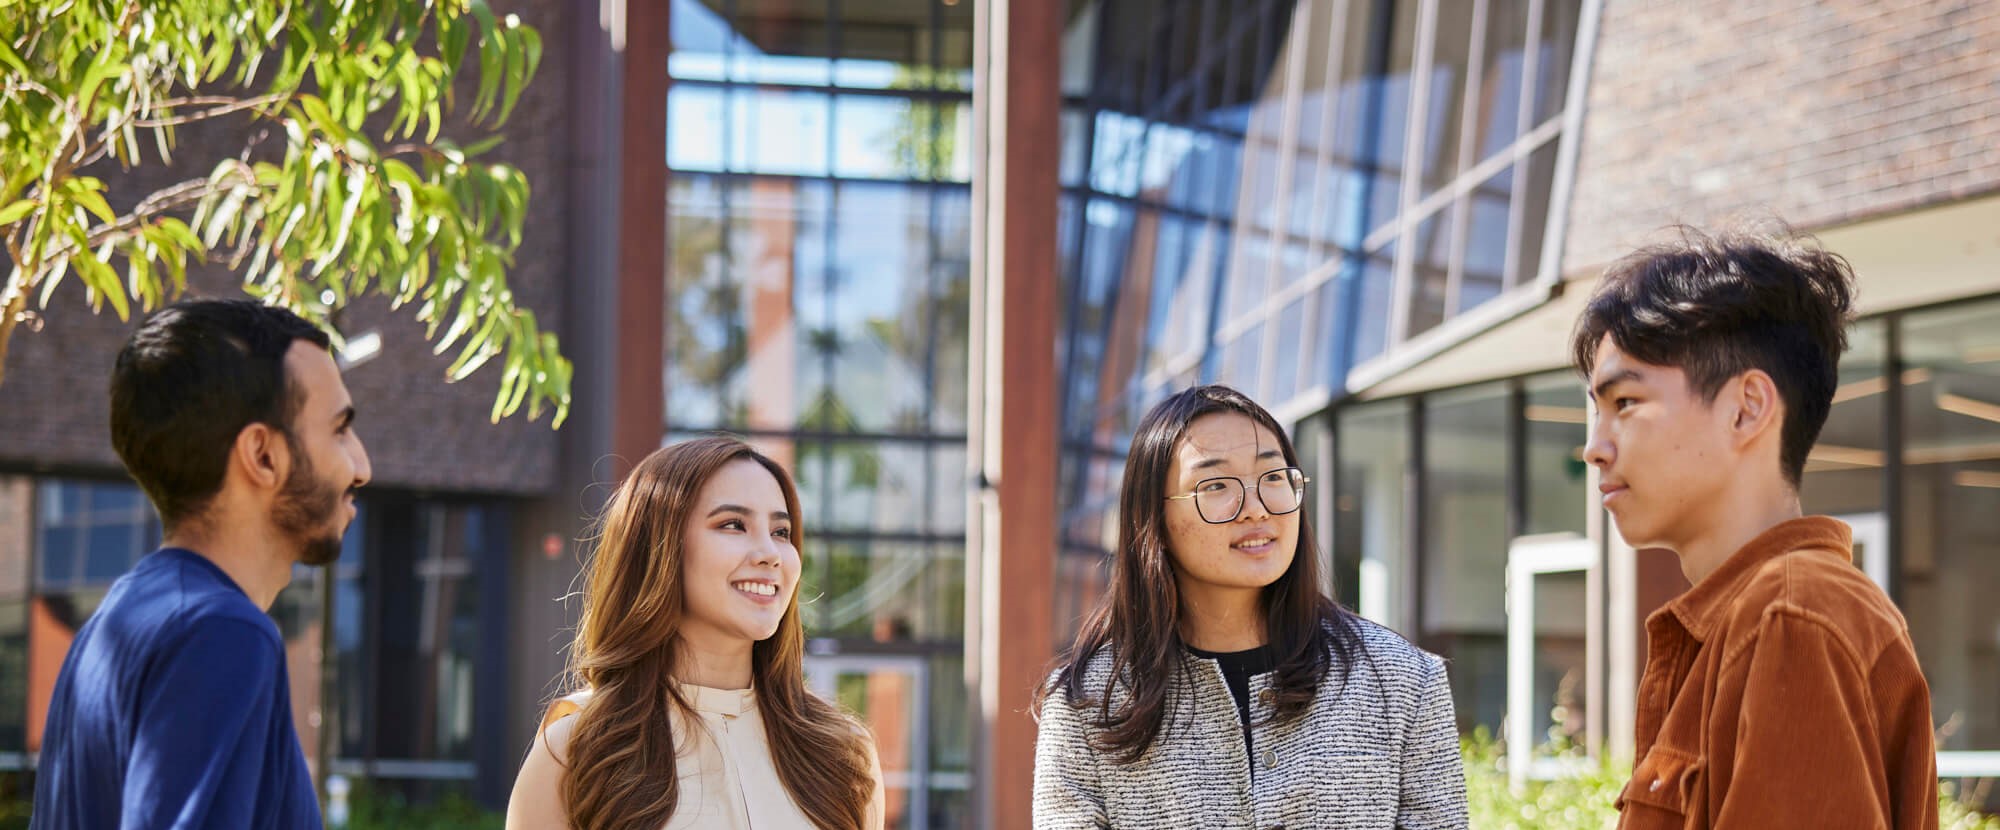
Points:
(620, 772)
(1137, 622)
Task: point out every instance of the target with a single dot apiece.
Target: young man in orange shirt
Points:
(1782, 690)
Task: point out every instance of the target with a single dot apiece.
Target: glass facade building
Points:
(387, 650)
(1356, 211)
(819, 207)
(1271, 194)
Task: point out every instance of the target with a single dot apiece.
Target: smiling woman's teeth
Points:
(1252, 543)
(762, 589)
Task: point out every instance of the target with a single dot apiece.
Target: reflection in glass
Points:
(865, 486)
(1843, 474)
(1370, 319)
(1558, 483)
(1369, 512)
(702, 39)
(893, 591)
(1444, 123)
(744, 249)
(1464, 556)
(1532, 202)
(876, 343)
(1431, 277)
(696, 133)
(1950, 555)
(774, 131)
(1484, 269)
(1497, 101)
(778, 41)
(1561, 610)
(1555, 48)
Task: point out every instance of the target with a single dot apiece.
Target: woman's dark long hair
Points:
(1137, 622)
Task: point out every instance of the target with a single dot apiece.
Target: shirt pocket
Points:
(1662, 790)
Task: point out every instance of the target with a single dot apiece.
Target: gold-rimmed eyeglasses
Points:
(1220, 500)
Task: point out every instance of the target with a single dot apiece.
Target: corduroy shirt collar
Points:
(1702, 606)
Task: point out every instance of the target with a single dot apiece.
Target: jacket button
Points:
(1270, 759)
(1267, 697)
(1657, 783)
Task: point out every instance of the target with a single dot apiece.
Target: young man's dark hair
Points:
(191, 378)
(1717, 306)
(1782, 689)
(173, 706)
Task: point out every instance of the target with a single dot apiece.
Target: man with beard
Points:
(173, 708)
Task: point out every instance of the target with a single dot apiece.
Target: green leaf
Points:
(13, 213)
(103, 69)
(179, 232)
(53, 277)
(516, 79)
(83, 191)
(13, 60)
(103, 281)
(140, 279)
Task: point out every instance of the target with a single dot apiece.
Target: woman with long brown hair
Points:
(1216, 684)
(692, 710)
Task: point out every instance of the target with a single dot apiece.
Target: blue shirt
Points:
(173, 710)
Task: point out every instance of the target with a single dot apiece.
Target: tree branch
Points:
(177, 196)
(230, 105)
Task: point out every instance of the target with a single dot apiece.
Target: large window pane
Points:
(1348, 112)
(1444, 122)
(776, 131)
(876, 339)
(702, 40)
(1430, 277)
(1386, 116)
(1844, 472)
(1556, 47)
(696, 136)
(950, 307)
(749, 262)
(1533, 207)
(1558, 494)
(1370, 319)
(1497, 102)
(1951, 554)
(1369, 513)
(1484, 270)
(863, 486)
(780, 41)
(1464, 557)
(895, 591)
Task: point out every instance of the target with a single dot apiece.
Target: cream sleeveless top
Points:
(727, 778)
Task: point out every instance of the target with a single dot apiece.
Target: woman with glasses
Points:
(1216, 684)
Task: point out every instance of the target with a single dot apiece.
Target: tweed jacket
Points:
(1377, 750)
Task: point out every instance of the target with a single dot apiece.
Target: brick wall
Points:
(1819, 113)
(420, 432)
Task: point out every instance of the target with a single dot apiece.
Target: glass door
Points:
(1547, 663)
(891, 692)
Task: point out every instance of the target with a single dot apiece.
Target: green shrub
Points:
(369, 810)
(1579, 803)
(1585, 802)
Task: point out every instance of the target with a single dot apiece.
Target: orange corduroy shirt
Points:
(1783, 692)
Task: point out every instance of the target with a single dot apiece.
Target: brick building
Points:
(912, 244)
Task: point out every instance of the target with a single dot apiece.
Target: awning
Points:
(1900, 261)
